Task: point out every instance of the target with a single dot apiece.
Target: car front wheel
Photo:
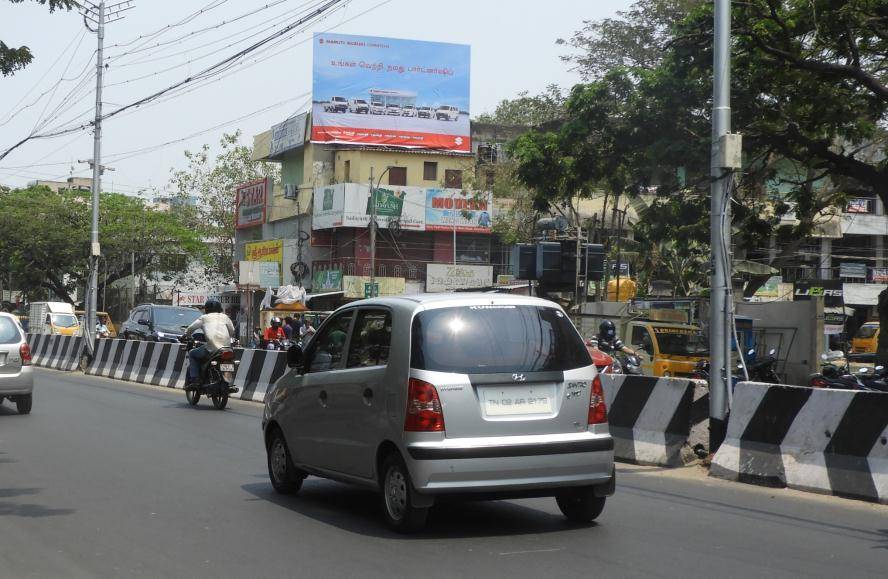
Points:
(580, 505)
(397, 502)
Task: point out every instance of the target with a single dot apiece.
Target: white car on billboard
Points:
(447, 113)
(424, 112)
(336, 104)
(393, 109)
(408, 111)
(377, 108)
(358, 106)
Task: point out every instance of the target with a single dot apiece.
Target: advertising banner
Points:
(389, 91)
(468, 212)
(833, 322)
(771, 288)
(355, 286)
(250, 204)
(349, 205)
(852, 270)
(447, 278)
(880, 275)
(328, 280)
(287, 135)
(264, 274)
(265, 251)
(860, 205)
(829, 290)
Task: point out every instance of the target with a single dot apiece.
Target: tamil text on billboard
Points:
(388, 91)
(250, 203)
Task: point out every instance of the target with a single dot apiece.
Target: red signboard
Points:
(250, 204)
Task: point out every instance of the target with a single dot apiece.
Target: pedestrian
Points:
(307, 331)
(288, 327)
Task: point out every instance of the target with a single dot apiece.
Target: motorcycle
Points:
(603, 362)
(631, 364)
(216, 375)
(278, 345)
(764, 370)
(836, 377)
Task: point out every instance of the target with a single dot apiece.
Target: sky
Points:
(161, 42)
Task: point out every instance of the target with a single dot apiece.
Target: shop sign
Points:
(250, 203)
(447, 278)
(327, 280)
(265, 251)
(288, 135)
(829, 290)
(355, 286)
(857, 270)
(264, 274)
(880, 275)
(454, 209)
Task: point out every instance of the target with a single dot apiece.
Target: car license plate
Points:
(226, 367)
(518, 400)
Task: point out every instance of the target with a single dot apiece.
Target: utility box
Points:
(549, 262)
(524, 257)
(593, 264)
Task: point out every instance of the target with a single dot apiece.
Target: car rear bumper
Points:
(511, 464)
(21, 382)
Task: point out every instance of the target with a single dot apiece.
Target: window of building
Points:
(430, 171)
(453, 178)
(348, 172)
(398, 176)
(472, 248)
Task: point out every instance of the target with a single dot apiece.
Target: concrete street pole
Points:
(720, 224)
(95, 249)
(372, 236)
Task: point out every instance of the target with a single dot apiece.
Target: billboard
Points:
(250, 204)
(388, 91)
(265, 251)
(449, 209)
(349, 205)
(287, 135)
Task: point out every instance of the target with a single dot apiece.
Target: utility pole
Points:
(98, 15)
(725, 157)
(453, 209)
(372, 235)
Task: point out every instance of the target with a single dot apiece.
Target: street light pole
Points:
(373, 209)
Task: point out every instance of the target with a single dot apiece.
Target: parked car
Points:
(434, 395)
(16, 379)
(447, 113)
(377, 108)
(424, 112)
(155, 323)
(408, 111)
(337, 104)
(358, 106)
(393, 109)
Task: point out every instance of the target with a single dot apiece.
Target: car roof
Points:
(443, 300)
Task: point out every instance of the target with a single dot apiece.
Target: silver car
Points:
(16, 379)
(458, 395)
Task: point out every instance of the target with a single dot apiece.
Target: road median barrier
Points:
(56, 352)
(819, 440)
(652, 419)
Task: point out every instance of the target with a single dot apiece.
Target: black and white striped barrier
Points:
(826, 441)
(165, 364)
(56, 352)
(650, 418)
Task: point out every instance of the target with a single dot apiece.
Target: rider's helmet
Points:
(607, 330)
(276, 322)
(213, 307)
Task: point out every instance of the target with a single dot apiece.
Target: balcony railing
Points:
(814, 273)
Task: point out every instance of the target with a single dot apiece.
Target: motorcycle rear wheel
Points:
(220, 401)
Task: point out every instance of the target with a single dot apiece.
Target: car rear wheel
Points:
(580, 505)
(285, 477)
(23, 403)
(397, 497)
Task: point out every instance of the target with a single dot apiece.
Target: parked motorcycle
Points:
(216, 375)
(875, 380)
(764, 370)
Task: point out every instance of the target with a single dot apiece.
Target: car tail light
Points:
(597, 407)
(424, 412)
(226, 355)
(25, 352)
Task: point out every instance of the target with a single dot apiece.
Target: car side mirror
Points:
(295, 357)
(143, 322)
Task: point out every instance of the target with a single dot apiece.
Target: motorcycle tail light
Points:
(227, 355)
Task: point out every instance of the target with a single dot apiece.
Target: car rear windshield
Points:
(9, 332)
(175, 317)
(496, 338)
(866, 332)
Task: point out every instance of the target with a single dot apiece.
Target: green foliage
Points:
(45, 241)
(527, 110)
(14, 59)
(213, 181)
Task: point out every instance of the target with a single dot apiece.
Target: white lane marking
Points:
(531, 551)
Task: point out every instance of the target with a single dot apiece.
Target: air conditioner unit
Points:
(290, 191)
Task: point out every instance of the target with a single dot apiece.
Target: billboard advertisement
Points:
(467, 212)
(388, 91)
(349, 205)
(250, 204)
(287, 135)
(441, 277)
(265, 251)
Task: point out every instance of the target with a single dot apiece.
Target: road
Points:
(113, 479)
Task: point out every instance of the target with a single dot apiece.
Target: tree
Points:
(528, 110)
(14, 59)
(213, 181)
(57, 258)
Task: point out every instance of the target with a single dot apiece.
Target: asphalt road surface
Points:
(113, 479)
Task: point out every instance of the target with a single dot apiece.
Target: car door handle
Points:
(322, 398)
(368, 396)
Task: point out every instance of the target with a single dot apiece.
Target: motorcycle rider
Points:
(218, 332)
(275, 331)
(608, 341)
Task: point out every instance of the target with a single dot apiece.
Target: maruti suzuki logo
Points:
(519, 377)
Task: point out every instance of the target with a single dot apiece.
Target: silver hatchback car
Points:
(16, 380)
(460, 395)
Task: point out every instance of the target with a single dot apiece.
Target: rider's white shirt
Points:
(217, 328)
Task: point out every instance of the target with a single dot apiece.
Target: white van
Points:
(447, 113)
(358, 106)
